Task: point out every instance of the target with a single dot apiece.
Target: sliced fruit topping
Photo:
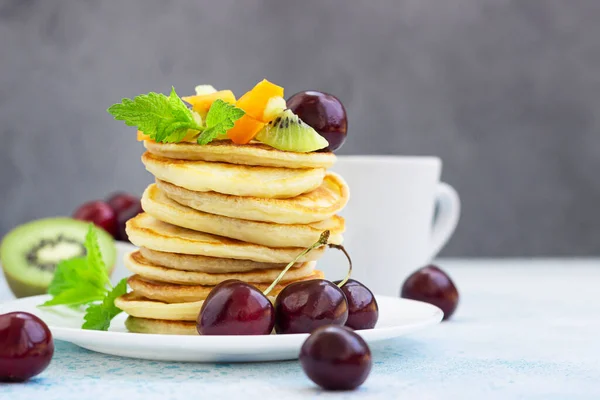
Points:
(287, 132)
(201, 102)
(308, 121)
(189, 137)
(205, 89)
(255, 101)
(261, 105)
(244, 130)
(141, 136)
(275, 106)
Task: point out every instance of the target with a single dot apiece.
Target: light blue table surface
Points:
(523, 330)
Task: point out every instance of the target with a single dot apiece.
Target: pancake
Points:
(248, 154)
(318, 205)
(237, 180)
(157, 204)
(160, 327)
(138, 306)
(172, 293)
(146, 231)
(188, 262)
(138, 265)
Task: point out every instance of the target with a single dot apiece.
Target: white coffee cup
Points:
(390, 225)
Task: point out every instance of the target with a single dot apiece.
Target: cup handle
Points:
(448, 213)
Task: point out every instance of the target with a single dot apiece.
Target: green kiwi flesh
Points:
(29, 253)
(288, 132)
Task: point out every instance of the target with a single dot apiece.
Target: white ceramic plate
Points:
(396, 317)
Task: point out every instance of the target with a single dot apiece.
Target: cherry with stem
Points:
(301, 307)
(234, 307)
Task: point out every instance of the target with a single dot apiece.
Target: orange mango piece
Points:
(255, 101)
(201, 103)
(244, 130)
(141, 136)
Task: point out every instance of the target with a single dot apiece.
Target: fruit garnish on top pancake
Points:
(261, 114)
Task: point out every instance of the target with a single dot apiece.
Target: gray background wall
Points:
(507, 92)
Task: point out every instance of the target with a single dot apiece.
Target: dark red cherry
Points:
(100, 213)
(26, 346)
(324, 112)
(336, 358)
(234, 307)
(302, 307)
(120, 201)
(124, 216)
(363, 310)
(432, 285)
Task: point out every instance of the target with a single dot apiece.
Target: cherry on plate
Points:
(234, 307)
(324, 112)
(302, 307)
(336, 358)
(100, 213)
(120, 201)
(432, 285)
(363, 311)
(26, 346)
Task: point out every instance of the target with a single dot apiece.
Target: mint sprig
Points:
(168, 120)
(98, 316)
(220, 118)
(83, 281)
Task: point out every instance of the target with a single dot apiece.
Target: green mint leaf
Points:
(95, 273)
(98, 316)
(220, 118)
(66, 276)
(70, 285)
(80, 280)
(164, 119)
(75, 297)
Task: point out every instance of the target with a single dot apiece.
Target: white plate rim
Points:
(75, 335)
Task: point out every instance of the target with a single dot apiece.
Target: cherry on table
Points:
(26, 346)
(336, 358)
(363, 311)
(324, 112)
(234, 307)
(432, 285)
(100, 213)
(302, 307)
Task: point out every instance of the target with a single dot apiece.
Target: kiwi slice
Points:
(288, 132)
(29, 253)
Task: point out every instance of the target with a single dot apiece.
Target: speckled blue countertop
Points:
(523, 330)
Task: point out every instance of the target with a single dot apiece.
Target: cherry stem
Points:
(343, 250)
(322, 241)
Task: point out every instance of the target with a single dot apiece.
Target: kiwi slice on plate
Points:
(29, 253)
(287, 132)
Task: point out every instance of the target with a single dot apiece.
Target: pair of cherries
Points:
(234, 307)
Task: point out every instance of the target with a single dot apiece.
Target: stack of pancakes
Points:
(223, 211)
